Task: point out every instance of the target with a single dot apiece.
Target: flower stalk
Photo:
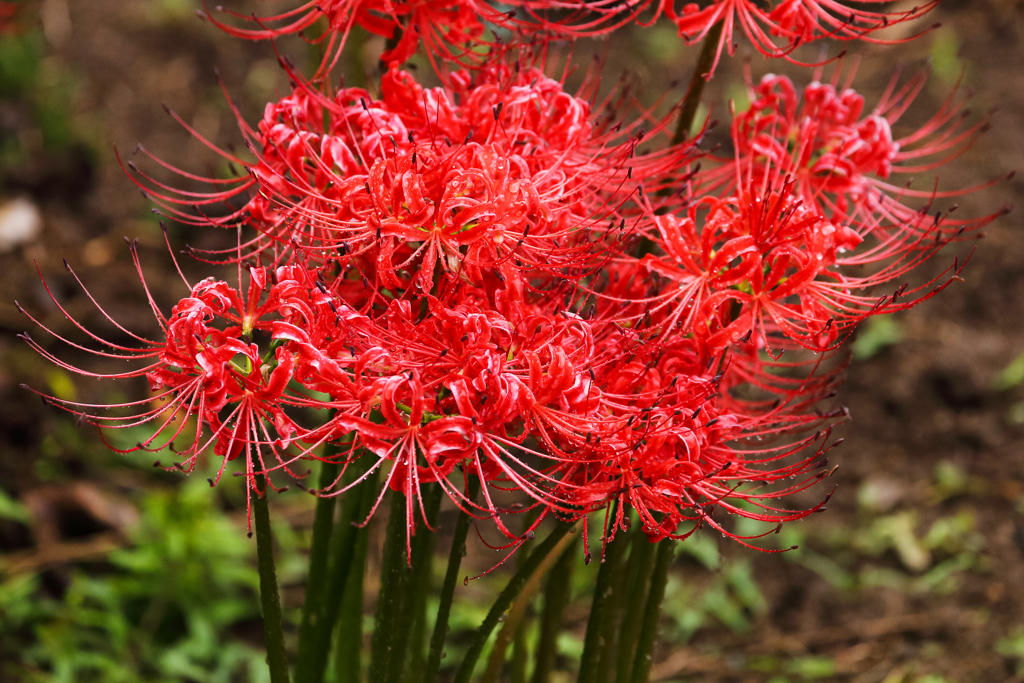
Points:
(652, 611)
(691, 100)
(505, 598)
(349, 641)
(385, 648)
(638, 568)
(517, 612)
(557, 594)
(330, 591)
(314, 610)
(599, 641)
(451, 577)
(273, 629)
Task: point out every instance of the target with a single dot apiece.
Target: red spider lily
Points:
(209, 367)
(795, 22)
(443, 26)
(492, 378)
(519, 167)
(841, 159)
(766, 262)
(493, 279)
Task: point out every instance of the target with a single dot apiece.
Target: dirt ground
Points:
(933, 434)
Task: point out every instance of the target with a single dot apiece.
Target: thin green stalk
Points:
(504, 601)
(691, 101)
(451, 576)
(273, 629)
(517, 611)
(520, 646)
(320, 28)
(598, 642)
(641, 557)
(414, 586)
(349, 641)
(314, 609)
(520, 653)
(418, 637)
(606, 660)
(557, 592)
(328, 596)
(389, 600)
(356, 67)
(649, 629)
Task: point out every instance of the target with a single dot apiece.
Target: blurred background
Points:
(111, 570)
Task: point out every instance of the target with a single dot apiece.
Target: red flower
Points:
(766, 263)
(210, 368)
(795, 22)
(443, 26)
(517, 169)
(841, 159)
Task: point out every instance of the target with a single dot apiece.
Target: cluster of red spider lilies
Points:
(501, 284)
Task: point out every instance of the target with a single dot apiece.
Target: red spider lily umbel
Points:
(776, 32)
(497, 278)
(842, 159)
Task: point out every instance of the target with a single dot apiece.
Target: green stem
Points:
(273, 629)
(414, 586)
(520, 653)
(557, 592)
(417, 651)
(505, 599)
(389, 600)
(349, 646)
(641, 558)
(451, 576)
(314, 609)
(520, 646)
(355, 66)
(328, 597)
(649, 629)
(691, 101)
(600, 626)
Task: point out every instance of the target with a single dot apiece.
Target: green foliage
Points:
(812, 668)
(164, 611)
(12, 509)
(1012, 375)
(45, 88)
(1012, 648)
(878, 333)
(945, 59)
(732, 597)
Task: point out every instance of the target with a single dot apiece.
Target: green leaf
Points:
(878, 333)
(1011, 376)
(12, 509)
(812, 667)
